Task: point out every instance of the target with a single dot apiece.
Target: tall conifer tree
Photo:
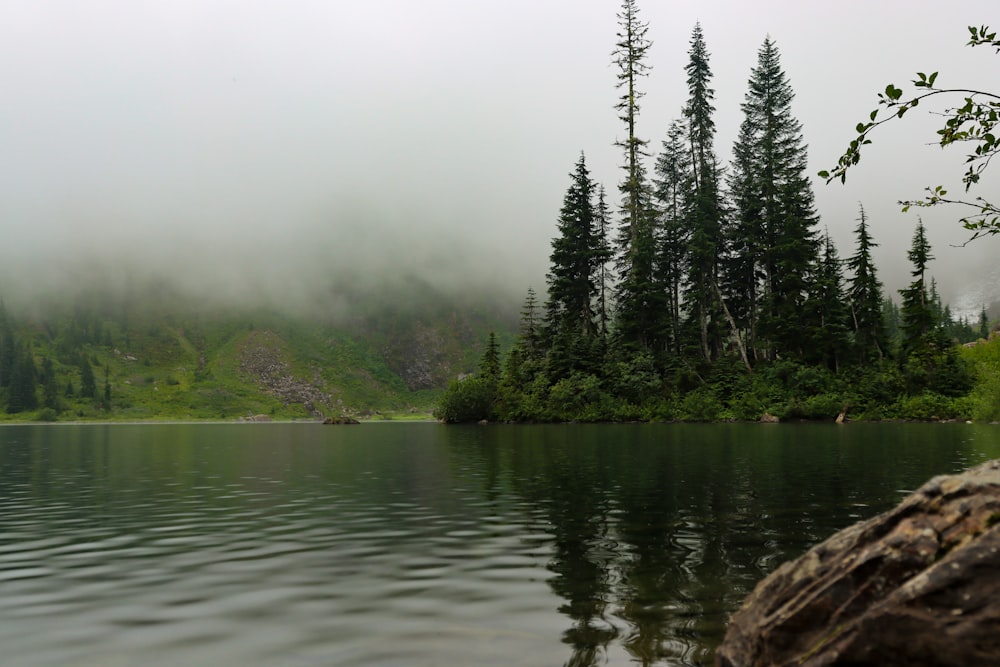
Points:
(865, 297)
(705, 211)
(636, 295)
(917, 310)
(578, 254)
(828, 332)
(672, 187)
(775, 212)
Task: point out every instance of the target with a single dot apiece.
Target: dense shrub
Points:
(467, 400)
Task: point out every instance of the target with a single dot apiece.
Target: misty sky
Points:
(273, 147)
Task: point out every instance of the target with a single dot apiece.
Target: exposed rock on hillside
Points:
(424, 357)
(918, 585)
(263, 361)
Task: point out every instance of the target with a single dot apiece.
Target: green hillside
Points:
(163, 358)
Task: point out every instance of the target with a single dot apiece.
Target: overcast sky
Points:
(269, 145)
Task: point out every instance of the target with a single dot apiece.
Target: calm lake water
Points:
(419, 544)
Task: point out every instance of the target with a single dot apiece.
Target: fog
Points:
(264, 152)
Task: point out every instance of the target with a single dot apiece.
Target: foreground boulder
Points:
(918, 585)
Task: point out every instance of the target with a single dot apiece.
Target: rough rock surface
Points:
(262, 360)
(918, 585)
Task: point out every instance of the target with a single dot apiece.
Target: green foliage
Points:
(972, 124)
(468, 400)
(700, 405)
(931, 406)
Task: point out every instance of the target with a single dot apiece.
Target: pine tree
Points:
(917, 310)
(865, 298)
(984, 324)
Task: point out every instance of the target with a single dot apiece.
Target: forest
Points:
(714, 294)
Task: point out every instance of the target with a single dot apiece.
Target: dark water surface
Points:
(419, 544)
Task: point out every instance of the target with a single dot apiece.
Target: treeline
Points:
(714, 294)
(57, 379)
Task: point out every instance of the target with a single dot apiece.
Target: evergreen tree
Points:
(575, 261)
(635, 297)
(672, 188)
(88, 386)
(602, 220)
(22, 393)
(917, 310)
(865, 298)
(893, 322)
(107, 384)
(50, 389)
(984, 324)
(705, 210)
(489, 365)
(531, 334)
(7, 348)
(775, 212)
(829, 337)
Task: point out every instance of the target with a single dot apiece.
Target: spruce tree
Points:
(865, 298)
(775, 211)
(984, 324)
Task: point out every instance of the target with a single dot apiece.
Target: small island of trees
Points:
(719, 297)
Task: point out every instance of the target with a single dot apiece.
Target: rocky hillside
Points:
(193, 364)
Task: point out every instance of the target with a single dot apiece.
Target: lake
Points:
(413, 544)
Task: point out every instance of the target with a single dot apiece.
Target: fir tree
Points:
(88, 386)
(829, 338)
(530, 335)
(602, 220)
(575, 261)
(984, 324)
(705, 211)
(489, 365)
(672, 187)
(865, 297)
(775, 209)
(917, 311)
(22, 393)
(50, 389)
(8, 352)
(107, 385)
(636, 292)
